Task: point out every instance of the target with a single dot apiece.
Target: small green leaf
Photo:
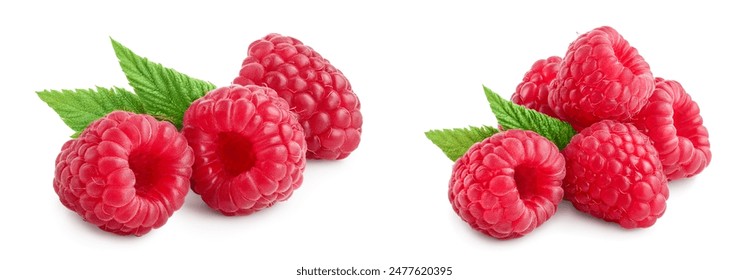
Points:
(513, 116)
(163, 91)
(455, 142)
(80, 107)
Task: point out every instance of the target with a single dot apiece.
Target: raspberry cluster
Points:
(602, 77)
(241, 147)
(633, 133)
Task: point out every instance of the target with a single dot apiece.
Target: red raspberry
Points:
(672, 120)
(249, 149)
(601, 77)
(126, 173)
(328, 109)
(613, 173)
(533, 91)
(508, 184)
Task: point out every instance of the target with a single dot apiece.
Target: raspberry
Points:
(533, 91)
(126, 173)
(249, 149)
(673, 122)
(601, 77)
(508, 184)
(328, 109)
(613, 173)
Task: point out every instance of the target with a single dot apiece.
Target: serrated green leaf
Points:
(513, 116)
(80, 107)
(164, 92)
(455, 142)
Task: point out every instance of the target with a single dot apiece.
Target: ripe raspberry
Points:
(126, 173)
(613, 173)
(672, 120)
(533, 91)
(328, 109)
(601, 77)
(249, 149)
(508, 184)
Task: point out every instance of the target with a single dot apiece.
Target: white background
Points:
(415, 67)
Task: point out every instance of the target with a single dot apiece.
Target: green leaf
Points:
(80, 107)
(455, 142)
(164, 92)
(513, 116)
